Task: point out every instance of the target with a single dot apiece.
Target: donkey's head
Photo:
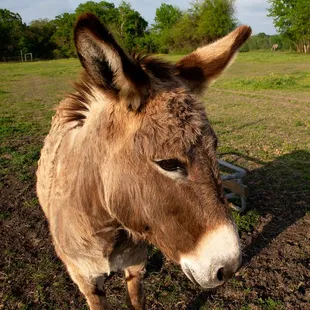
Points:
(157, 150)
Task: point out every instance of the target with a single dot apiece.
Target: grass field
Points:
(260, 110)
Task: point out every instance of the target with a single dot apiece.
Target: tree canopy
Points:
(54, 38)
(174, 30)
(166, 17)
(204, 22)
(292, 20)
(11, 29)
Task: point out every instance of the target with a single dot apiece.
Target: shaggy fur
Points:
(99, 182)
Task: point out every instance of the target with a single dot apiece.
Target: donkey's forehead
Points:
(174, 122)
(177, 107)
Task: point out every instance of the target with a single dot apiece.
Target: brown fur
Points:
(98, 182)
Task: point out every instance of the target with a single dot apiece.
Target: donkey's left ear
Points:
(107, 65)
(207, 63)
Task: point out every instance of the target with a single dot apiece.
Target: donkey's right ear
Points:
(107, 64)
(207, 63)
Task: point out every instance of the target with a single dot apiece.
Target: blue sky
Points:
(250, 12)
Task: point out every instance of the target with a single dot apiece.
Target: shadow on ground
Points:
(280, 189)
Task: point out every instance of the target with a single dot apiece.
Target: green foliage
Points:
(184, 34)
(247, 221)
(245, 48)
(260, 41)
(63, 36)
(292, 19)
(105, 11)
(127, 24)
(130, 26)
(149, 43)
(38, 38)
(204, 22)
(11, 29)
(166, 17)
(264, 41)
(215, 18)
(174, 30)
(54, 39)
(270, 304)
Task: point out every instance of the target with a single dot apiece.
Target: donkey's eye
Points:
(172, 164)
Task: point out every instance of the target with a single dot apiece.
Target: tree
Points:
(166, 17)
(174, 30)
(130, 27)
(148, 43)
(38, 36)
(105, 11)
(184, 34)
(126, 23)
(63, 36)
(292, 20)
(204, 22)
(11, 32)
(215, 19)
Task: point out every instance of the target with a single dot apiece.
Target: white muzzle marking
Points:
(216, 259)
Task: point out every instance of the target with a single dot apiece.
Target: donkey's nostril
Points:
(220, 274)
(224, 274)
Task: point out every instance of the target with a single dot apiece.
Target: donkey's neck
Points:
(103, 132)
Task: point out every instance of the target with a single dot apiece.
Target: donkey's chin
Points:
(216, 258)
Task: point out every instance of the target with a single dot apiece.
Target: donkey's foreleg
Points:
(134, 276)
(94, 294)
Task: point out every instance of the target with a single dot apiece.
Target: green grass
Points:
(270, 304)
(273, 81)
(28, 94)
(246, 222)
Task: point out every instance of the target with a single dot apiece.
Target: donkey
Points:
(275, 47)
(130, 160)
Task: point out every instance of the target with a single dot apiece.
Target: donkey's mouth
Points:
(189, 274)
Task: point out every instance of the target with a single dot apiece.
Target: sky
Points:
(250, 12)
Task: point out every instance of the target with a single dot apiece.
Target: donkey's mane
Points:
(77, 104)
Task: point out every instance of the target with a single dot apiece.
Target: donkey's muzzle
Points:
(216, 258)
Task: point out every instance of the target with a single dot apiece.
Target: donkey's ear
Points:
(207, 63)
(107, 64)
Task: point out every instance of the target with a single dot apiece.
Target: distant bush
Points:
(245, 48)
(263, 41)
